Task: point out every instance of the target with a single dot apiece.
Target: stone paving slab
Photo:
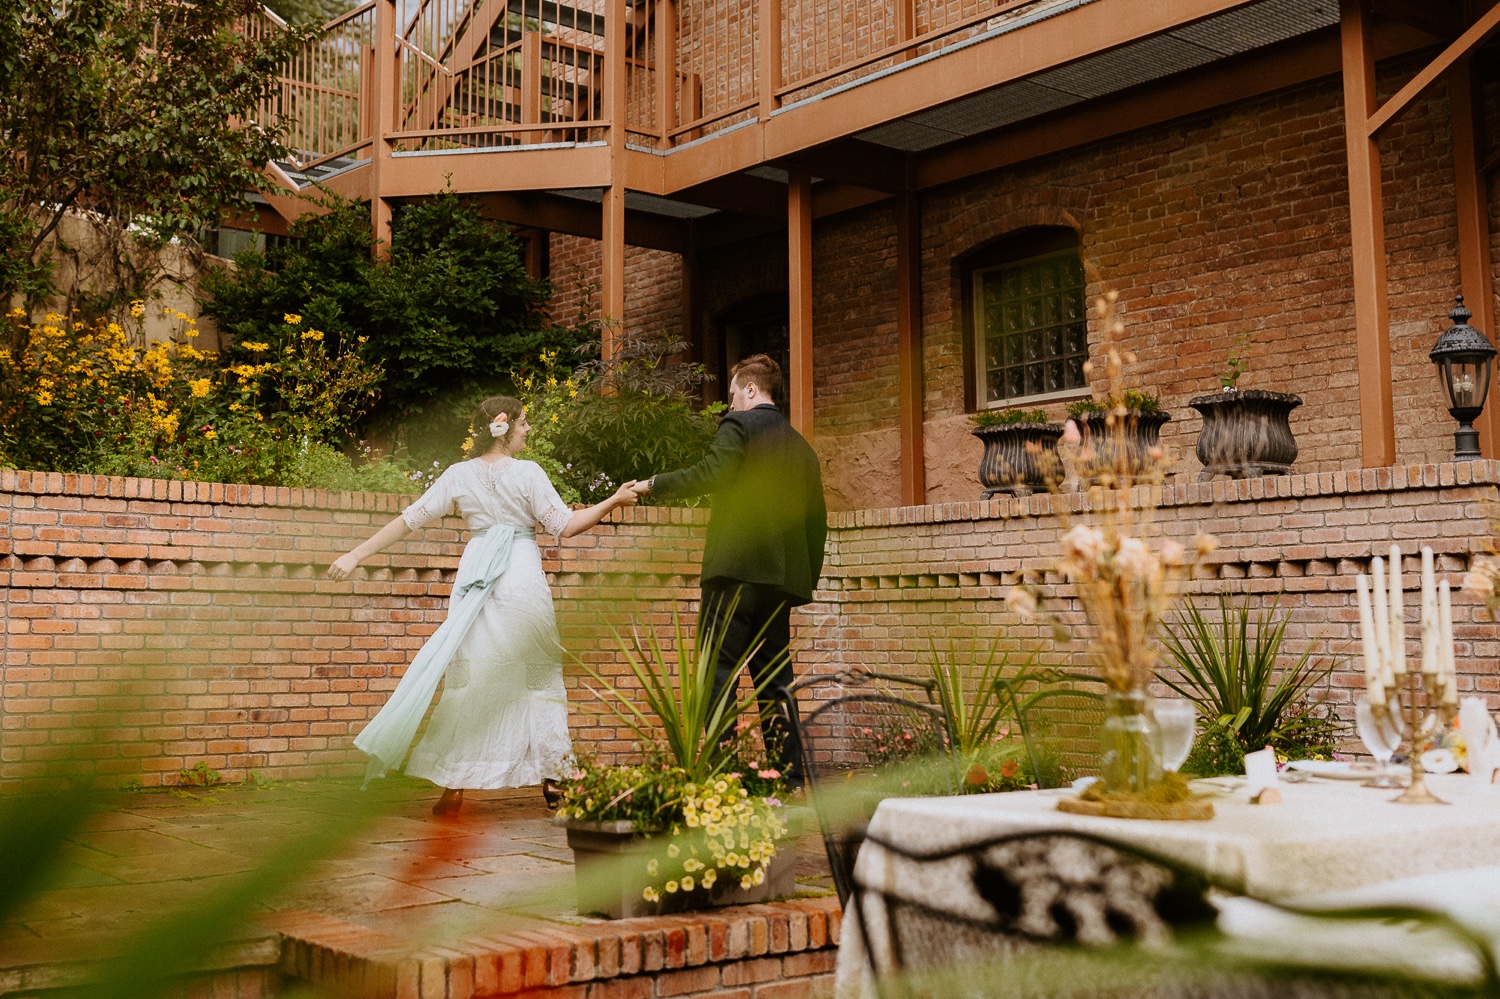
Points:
(499, 867)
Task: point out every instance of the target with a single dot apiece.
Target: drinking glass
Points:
(1381, 735)
(1176, 719)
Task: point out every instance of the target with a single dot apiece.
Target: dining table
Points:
(1326, 842)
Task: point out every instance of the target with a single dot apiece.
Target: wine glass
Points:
(1176, 720)
(1381, 734)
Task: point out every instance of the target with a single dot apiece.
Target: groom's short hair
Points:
(760, 370)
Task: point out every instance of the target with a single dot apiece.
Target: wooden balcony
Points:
(855, 93)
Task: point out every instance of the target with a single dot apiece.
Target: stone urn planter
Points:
(1142, 433)
(1246, 433)
(1009, 465)
(609, 863)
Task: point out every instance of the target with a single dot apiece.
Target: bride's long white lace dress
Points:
(502, 719)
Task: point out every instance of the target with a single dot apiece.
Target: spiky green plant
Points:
(677, 688)
(1230, 668)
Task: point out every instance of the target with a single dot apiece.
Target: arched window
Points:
(1025, 303)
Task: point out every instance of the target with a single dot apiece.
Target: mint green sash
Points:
(388, 736)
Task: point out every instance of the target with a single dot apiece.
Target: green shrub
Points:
(447, 314)
(1135, 401)
(605, 423)
(1007, 417)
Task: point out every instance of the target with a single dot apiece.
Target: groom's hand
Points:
(642, 487)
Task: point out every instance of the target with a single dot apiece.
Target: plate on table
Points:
(1336, 769)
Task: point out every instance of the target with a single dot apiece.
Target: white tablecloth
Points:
(1325, 837)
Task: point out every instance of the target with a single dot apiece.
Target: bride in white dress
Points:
(502, 720)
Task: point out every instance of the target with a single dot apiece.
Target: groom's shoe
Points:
(551, 794)
(449, 804)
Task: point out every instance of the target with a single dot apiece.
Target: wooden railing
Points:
(490, 73)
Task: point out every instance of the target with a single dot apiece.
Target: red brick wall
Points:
(153, 625)
(653, 284)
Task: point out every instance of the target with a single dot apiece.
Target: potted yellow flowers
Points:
(699, 821)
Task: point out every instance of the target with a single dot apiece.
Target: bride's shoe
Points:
(450, 802)
(551, 793)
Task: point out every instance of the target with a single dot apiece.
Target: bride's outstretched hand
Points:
(626, 494)
(342, 566)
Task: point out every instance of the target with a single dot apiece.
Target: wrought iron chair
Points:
(1058, 713)
(1063, 913)
(862, 741)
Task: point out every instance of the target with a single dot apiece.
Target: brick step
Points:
(757, 948)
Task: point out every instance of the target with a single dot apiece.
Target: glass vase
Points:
(1129, 753)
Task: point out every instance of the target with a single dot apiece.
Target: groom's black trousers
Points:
(760, 615)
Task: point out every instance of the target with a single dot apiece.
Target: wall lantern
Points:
(1465, 361)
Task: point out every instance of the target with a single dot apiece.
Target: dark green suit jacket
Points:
(769, 521)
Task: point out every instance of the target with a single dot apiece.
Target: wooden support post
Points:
(799, 302)
(1367, 236)
(383, 90)
(692, 103)
(1475, 271)
(909, 347)
(769, 56)
(531, 82)
(906, 25)
(612, 294)
(666, 69)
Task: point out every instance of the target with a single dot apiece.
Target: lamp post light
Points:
(1465, 361)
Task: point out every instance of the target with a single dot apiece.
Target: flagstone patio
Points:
(500, 866)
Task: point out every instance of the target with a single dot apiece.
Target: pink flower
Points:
(773, 802)
(768, 774)
(733, 776)
(1070, 433)
(1083, 543)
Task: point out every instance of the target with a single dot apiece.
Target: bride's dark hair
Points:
(480, 438)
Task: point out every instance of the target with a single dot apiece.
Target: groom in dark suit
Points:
(765, 538)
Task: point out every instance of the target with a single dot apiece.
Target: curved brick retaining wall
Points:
(150, 625)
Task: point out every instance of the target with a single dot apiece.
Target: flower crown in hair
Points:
(500, 427)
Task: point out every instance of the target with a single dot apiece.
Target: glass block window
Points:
(1031, 329)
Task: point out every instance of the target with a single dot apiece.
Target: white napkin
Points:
(1481, 744)
(1260, 769)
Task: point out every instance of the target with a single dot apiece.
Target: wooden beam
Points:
(854, 161)
(612, 292)
(739, 193)
(414, 175)
(1476, 275)
(909, 348)
(384, 91)
(799, 303)
(577, 217)
(768, 62)
(1470, 40)
(1441, 23)
(1367, 238)
(664, 14)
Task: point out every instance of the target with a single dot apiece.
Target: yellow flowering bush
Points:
(99, 397)
(84, 390)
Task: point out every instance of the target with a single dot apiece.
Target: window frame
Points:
(1020, 247)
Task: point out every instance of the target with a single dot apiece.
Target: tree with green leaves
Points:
(448, 313)
(142, 116)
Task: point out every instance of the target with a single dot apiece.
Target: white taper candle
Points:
(1398, 615)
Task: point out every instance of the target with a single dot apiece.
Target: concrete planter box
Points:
(1246, 433)
(609, 863)
(1008, 466)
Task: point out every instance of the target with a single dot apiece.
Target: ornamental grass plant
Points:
(1250, 693)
